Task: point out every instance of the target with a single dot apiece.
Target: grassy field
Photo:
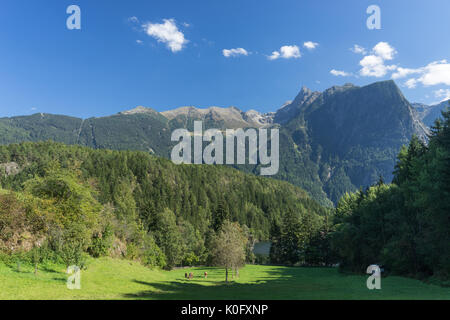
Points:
(120, 279)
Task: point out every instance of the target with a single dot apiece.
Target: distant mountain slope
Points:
(331, 142)
(374, 116)
(352, 134)
(145, 130)
(39, 127)
(429, 114)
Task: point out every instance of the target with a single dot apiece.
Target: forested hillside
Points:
(404, 226)
(39, 127)
(72, 200)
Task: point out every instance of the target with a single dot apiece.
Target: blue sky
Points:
(166, 54)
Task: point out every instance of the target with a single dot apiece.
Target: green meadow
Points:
(107, 278)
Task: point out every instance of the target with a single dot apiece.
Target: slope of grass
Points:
(107, 278)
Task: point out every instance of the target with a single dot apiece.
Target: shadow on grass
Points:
(276, 283)
(50, 270)
(28, 271)
(175, 290)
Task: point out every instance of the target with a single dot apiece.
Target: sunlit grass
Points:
(107, 278)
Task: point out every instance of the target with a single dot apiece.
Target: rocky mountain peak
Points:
(230, 117)
(335, 89)
(137, 110)
(291, 109)
(305, 91)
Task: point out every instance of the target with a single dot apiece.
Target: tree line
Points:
(403, 226)
(67, 202)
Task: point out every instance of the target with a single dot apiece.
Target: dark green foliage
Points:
(221, 214)
(164, 214)
(291, 239)
(39, 127)
(168, 237)
(142, 131)
(294, 240)
(193, 244)
(152, 255)
(404, 226)
(319, 250)
(101, 242)
(71, 246)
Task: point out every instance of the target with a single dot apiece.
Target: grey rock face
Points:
(10, 168)
(428, 114)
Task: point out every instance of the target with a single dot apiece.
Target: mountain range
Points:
(331, 142)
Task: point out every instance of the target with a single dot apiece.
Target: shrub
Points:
(101, 243)
(152, 255)
(191, 259)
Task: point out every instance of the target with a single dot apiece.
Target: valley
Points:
(224, 150)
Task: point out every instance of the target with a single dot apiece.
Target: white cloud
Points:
(275, 55)
(435, 73)
(384, 50)
(404, 72)
(338, 73)
(373, 66)
(286, 52)
(139, 41)
(358, 49)
(443, 94)
(167, 33)
(310, 45)
(234, 52)
(411, 83)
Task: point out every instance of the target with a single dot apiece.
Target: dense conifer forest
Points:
(66, 202)
(134, 204)
(404, 226)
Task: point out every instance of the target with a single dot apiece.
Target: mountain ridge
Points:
(331, 142)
